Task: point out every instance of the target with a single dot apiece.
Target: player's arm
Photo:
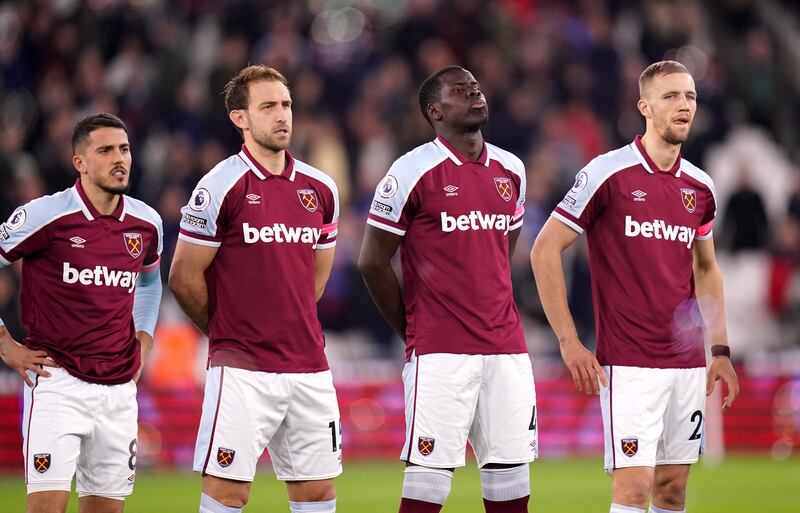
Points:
(322, 272)
(19, 357)
(710, 298)
(554, 238)
(375, 266)
(146, 302)
(513, 236)
(187, 280)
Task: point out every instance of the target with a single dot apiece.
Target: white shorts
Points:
(294, 416)
(653, 416)
(68, 425)
(488, 400)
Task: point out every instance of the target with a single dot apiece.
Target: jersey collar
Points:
(648, 163)
(457, 157)
(263, 173)
(88, 209)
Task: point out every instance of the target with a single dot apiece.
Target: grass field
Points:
(740, 485)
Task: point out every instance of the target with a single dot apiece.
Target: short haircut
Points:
(661, 68)
(236, 90)
(431, 90)
(89, 124)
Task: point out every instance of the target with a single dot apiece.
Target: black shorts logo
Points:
(225, 456)
(41, 462)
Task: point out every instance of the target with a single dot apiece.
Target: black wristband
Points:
(721, 350)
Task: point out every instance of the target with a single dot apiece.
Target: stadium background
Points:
(560, 78)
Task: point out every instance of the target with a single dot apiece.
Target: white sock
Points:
(209, 505)
(619, 508)
(315, 507)
(427, 484)
(655, 509)
(506, 484)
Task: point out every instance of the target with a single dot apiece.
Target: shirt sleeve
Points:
(153, 257)
(519, 211)
(330, 217)
(393, 205)
(706, 229)
(202, 220)
(24, 233)
(583, 203)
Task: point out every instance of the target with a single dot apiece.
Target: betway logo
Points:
(476, 220)
(101, 276)
(279, 232)
(660, 230)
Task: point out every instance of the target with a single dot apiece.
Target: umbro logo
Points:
(638, 195)
(451, 191)
(253, 199)
(78, 242)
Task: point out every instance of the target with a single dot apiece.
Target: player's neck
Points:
(272, 161)
(105, 202)
(469, 144)
(663, 153)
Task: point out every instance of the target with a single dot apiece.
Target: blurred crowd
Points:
(560, 78)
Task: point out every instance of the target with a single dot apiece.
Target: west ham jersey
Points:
(262, 296)
(641, 223)
(78, 278)
(454, 215)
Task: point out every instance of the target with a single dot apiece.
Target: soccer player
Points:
(648, 216)
(454, 207)
(254, 253)
(90, 293)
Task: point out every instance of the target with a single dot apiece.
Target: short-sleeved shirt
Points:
(261, 288)
(455, 215)
(79, 275)
(641, 223)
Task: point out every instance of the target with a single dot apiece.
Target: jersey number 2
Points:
(697, 416)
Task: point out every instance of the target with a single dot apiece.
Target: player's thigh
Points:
(47, 502)
(308, 444)
(107, 463)
(682, 440)
(504, 429)
(633, 407)
(441, 392)
(94, 504)
(57, 412)
(242, 410)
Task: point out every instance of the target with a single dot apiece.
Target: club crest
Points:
(308, 198)
(41, 462)
(630, 446)
(689, 197)
(225, 456)
(133, 243)
(425, 445)
(503, 186)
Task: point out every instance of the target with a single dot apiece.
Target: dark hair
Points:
(431, 90)
(661, 68)
(236, 90)
(89, 124)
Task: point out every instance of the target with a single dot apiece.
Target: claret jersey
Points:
(455, 215)
(262, 296)
(79, 274)
(641, 224)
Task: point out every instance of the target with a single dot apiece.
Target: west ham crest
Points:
(225, 456)
(41, 462)
(308, 198)
(425, 445)
(689, 197)
(503, 186)
(133, 243)
(630, 446)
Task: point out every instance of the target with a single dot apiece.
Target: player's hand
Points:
(583, 366)
(22, 359)
(721, 368)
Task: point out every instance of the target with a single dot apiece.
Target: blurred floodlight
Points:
(333, 26)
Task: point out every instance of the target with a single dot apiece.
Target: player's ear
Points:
(78, 163)
(239, 119)
(644, 108)
(434, 113)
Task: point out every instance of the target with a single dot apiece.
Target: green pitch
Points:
(740, 485)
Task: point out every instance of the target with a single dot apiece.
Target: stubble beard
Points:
(268, 143)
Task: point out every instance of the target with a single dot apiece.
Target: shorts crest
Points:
(425, 445)
(225, 456)
(630, 446)
(41, 462)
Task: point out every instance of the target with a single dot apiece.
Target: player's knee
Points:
(632, 486)
(505, 482)
(427, 484)
(670, 493)
(311, 491)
